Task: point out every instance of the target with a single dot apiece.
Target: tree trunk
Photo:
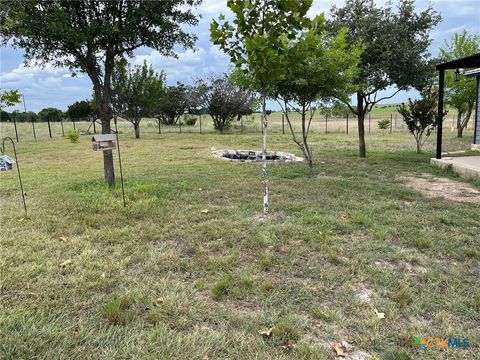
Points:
(108, 168)
(136, 127)
(361, 126)
(264, 154)
(459, 125)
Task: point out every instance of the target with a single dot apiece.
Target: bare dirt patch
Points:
(268, 217)
(445, 188)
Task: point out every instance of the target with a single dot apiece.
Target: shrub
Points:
(383, 124)
(73, 136)
(190, 120)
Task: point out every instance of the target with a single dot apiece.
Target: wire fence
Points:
(321, 124)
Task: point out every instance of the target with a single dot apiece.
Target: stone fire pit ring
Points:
(255, 156)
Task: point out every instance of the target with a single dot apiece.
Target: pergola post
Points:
(441, 81)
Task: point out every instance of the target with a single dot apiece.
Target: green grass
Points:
(223, 275)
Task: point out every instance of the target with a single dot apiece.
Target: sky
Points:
(54, 87)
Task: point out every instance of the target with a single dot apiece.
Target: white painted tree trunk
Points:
(264, 154)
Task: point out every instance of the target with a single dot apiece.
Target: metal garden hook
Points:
(2, 150)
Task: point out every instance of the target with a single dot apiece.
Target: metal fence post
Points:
(49, 128)
(61, 123)
(94, 126)
(391, 116)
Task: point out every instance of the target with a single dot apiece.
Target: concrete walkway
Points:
(466, 166)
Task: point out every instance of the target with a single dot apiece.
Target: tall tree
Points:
(222, 99)
(81, 110)
(139, 91)
(395, 52)
(92, 36)
(460, 94)
(50, 114)
(324, 67)
(255, 42)
(173, 104)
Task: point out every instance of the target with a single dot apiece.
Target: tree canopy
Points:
(460, 94)
(139, 90)
(81, 110)
(222, 99)
(395, 52)
(50, 114)
(174, 103)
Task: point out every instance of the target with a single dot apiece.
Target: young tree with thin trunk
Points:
(92, 36)
(420, 116)
(139, 91)
(460, 94)
(255, 42)
(395, 52)
(324, 67)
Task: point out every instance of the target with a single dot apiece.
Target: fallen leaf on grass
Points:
(63, 238)
(379, 314)
(343, 216)
(66, 263)
(206, 357)
(21, 220)
(76, 331)
(267, 332)
(206, 211)
(158, 301)
(339, 349)
(286, 345)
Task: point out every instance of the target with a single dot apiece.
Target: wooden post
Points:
(441, 80)
(33, 129)
(94, 126)
(159, 128)
(61, 123)
(241, 123)
(283, 124)
(73, 122)
(347, 123)
(369, 122)
(200, 121)
(49, 128)
(15, 125)
(326, 124)
(391, 116)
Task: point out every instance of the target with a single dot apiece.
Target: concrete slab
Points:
(465, 166)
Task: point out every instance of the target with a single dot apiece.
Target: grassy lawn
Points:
(82, 277)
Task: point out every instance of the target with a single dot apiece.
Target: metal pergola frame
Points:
(472, 61)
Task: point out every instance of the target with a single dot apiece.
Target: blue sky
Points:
(54, 87)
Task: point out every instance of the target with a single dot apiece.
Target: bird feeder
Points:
(103, 142)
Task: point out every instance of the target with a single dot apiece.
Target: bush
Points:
(190, 120)
(73, 136)
(384, 124)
